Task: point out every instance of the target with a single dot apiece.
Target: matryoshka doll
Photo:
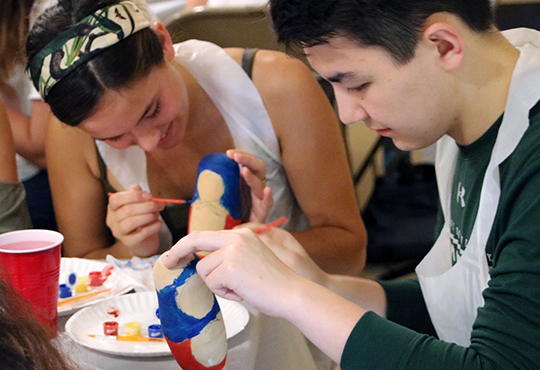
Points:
(190, 316)
(216, 203)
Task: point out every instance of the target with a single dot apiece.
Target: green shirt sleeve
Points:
(405, 305)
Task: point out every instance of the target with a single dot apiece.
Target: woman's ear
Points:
(447, 43)
(165, 39)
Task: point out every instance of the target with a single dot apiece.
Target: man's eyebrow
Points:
(340, 77)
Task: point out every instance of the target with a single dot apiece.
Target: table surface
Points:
(264, 344)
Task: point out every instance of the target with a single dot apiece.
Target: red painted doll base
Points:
(183, 355)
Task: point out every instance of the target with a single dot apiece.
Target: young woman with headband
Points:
(153, 110)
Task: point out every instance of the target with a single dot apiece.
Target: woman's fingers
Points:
(253, 170)
(141, 234)
(260, 207)
(133, 218)
(136, 222)
(134, 194)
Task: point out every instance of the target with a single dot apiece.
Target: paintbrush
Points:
(174, 201)
(166, 200)
(127, 338)
(277, 222)
(81, 297)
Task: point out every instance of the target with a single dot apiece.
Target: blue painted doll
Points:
(190, 316)
(216, 202)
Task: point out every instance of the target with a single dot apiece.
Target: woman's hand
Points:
(134, 220)
(254, 174)
(240, 267)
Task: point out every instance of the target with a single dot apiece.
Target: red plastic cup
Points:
(31, 259)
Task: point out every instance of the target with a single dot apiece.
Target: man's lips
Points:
(384, 131)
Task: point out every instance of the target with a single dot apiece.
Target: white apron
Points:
(454, 293)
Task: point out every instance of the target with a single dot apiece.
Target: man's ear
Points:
(447, 42)
(165, 39)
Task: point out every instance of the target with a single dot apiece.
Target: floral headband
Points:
(82, 42)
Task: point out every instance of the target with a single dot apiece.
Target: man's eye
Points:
(358, 88)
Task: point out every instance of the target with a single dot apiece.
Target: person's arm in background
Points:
(28, 129)
(195, 3)
(314, 157)
(8, 166)
(29, 132)
(13, 210)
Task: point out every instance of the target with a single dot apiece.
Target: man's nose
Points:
(349, 108)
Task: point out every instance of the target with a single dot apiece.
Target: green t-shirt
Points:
(472, 160)
(506, 332)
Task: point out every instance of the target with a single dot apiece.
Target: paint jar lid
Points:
(71, 279)
(65, 291)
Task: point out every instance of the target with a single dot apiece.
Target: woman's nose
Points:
(147, 137)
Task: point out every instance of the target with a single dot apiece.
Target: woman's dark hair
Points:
(394, 25)
(75, 97)
(23, 341)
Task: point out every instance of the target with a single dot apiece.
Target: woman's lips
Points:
(165, 135)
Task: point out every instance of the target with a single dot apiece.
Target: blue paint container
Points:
(154, 331)
(65, 291)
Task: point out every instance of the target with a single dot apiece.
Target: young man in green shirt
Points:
(419, 72)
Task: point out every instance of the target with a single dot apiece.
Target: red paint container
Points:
(110, 328)
(96, 278)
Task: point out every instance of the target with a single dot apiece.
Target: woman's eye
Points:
(112, 139)
(156, 111)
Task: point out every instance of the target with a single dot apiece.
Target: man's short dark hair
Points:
(394, 25)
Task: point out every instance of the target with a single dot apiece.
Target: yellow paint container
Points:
(133, 329)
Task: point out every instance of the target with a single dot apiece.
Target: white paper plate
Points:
(138, 307)
(82, 267)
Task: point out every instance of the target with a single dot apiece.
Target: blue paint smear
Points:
(229, 171)
(177, 325)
